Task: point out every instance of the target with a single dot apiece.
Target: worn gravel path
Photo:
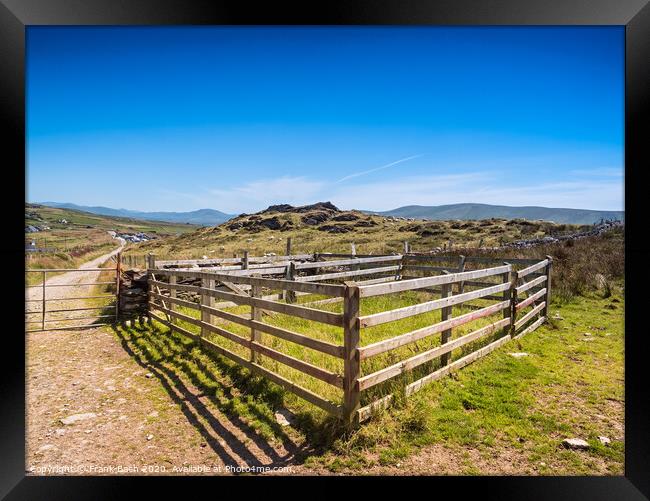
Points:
(97, 407)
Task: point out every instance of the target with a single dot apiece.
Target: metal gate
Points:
(52, 310)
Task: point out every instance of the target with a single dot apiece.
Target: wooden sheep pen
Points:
(349, 335)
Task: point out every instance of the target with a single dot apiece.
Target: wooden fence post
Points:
(290, 296)
(172, 294)
(207, 283)
(244, 263)
(256, 314)
(406, 247)
(353, 249)
(461, 269)
(351, 362)
(445, 314)
(507, 294)
(118, 272)
(288, 246)
(548, 286)
(514, 278)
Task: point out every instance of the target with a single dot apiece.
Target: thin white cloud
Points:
(481, 188)
(357, 174)
(257, 195)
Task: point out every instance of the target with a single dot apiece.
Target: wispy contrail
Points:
(356, 174)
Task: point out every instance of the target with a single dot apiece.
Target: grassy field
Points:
(371, 234)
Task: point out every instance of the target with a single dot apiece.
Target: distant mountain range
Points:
(201, 217)
(485, 211)
(467, 211)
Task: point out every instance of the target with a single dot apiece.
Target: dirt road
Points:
(95, 406)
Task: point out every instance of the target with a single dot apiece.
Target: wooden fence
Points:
(516, 291)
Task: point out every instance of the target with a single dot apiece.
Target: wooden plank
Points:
(347, 274)
(301, 339)
(531, 284)
(333, 290)
(233, 260)
(206, 300)
(411, 267)
(419, 283)
(417, 309)
(175, 327)
(533, 268)
(352, 361)
(529, 316)
(547, 300)
(324, 317)
(481, 259)
(345, 262)
(305, 394)
(411, 363)
(233, 287)
(365, 413)
(473, 283)
(445, 314)
(531, 327)
(205, 327)
(430, 257)
(323, 301)
(304, 367)
(454, 366)
(256, 315)
(179, 302)
(380, 280)
(531, 299)
(379, 347)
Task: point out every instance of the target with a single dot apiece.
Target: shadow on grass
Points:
(245, 403)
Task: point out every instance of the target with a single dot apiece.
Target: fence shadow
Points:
(170, 360)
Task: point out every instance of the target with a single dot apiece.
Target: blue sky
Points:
(238, 118)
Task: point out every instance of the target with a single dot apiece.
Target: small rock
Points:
(518, 355)
(148, 375)
(150, 436)
(604, 440)
(78, 417)
(542, 463)
(575, 443)
(44, 448)
(153, 414)
(203, 444)
(587, 334)
(284, 417)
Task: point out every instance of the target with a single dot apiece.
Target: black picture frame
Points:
(16, 15)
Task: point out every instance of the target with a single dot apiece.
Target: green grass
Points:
(566, 387)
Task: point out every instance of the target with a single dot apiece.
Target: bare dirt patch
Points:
(132, 414)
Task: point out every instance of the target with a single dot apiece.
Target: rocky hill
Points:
(323, 227)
